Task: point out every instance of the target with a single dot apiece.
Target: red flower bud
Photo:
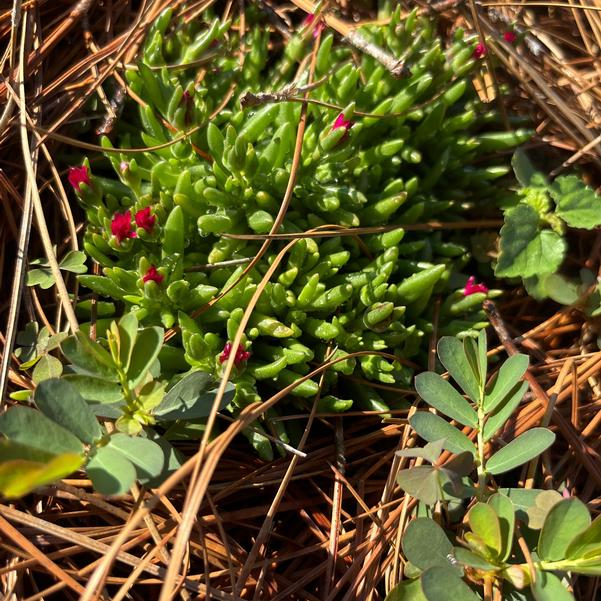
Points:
(78, 176)
(480, 51)
(145, 220)
(510, 37)
(152, 275)
(121, 226)
(241, 354)
(472, 288)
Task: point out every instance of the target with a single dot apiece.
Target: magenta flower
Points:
(480, 51)
(510, 37)
(145, 220)
(472, 288)
(318, 27)
(342, 122)
(121, 226)
(241, 354)
(78, 176)
(152, 275)
(123, 166)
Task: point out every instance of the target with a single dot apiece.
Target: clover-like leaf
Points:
(47, 367)
(526, 249)
(74, 261)
(425, 544)
(577, 204)
(422, 482)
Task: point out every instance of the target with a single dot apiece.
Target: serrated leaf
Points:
(110, 472)
(509, 375)
(19, 477)
(145, 351)
(95, 389)
(587, 542)
(577, 204)
(47, 367)
(89, 356)
(452, 355)
(521, 450)
(440, 583)
(421, 482)
(525, 249)
(74, 261)
(146, 455)
(506, 514)
(432, 427)
(438, 393)
(566, 519)
(525, 172)
(189, 399)
(496, 420)
(548, 587)
(484, 522)
(61, 402)
(425, 544)
(32, 428)
(407, 590)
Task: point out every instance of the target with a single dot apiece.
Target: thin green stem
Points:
(480, 442)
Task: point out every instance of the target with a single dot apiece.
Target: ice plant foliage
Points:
(241, 354)
(472, 288)
(152, 275)
(145, 219)
(480, 51)
(121, 226)
(78, 176)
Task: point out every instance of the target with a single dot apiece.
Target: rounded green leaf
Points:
(32, 428)
(146, 455)
(61, 402)
(422, 482)
(548, 587)
(521, 450)
(506, 514)
(425, 544)
(452, 355)
(145, 351)
(128, 332)
(442, 583)
(432, 427)
(484, 522)
(408, 590)
(47, 367)
(564, 522)
(438, 393)
(110, 472)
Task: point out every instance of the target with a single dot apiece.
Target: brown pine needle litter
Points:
(323, 523)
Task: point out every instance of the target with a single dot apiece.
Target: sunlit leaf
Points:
(484, 522)
(146, 455)
(506, 515)
(47, 367)
(509, 375)
(577, 204)
(438, 393)
(564, 522)
(537, 513)
(89, 356)
(473, 560)
(432, 427)
(74, 261)
(128, 333)
(548, 587)
(587, 542)
(521, 450)
(452, 355)
(508, 405)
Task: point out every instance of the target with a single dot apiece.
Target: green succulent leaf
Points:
(61, 402)
(473, 560)
(526, 249)
(146, 350)
(563, 523)
(506, 515)
(525, 447)
(438, 393)
(577, 204)
(484, 522)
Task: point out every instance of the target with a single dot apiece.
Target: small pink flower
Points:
(78, 176)
(510, 37)
(241, 354)
(123, 166)
(342, 122)
(121, 226)
(480, 51)
(145, 220)
(318, 26)
(472, 288)
(152, 275)
(565, 493)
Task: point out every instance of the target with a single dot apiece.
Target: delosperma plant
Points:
(389, 168)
